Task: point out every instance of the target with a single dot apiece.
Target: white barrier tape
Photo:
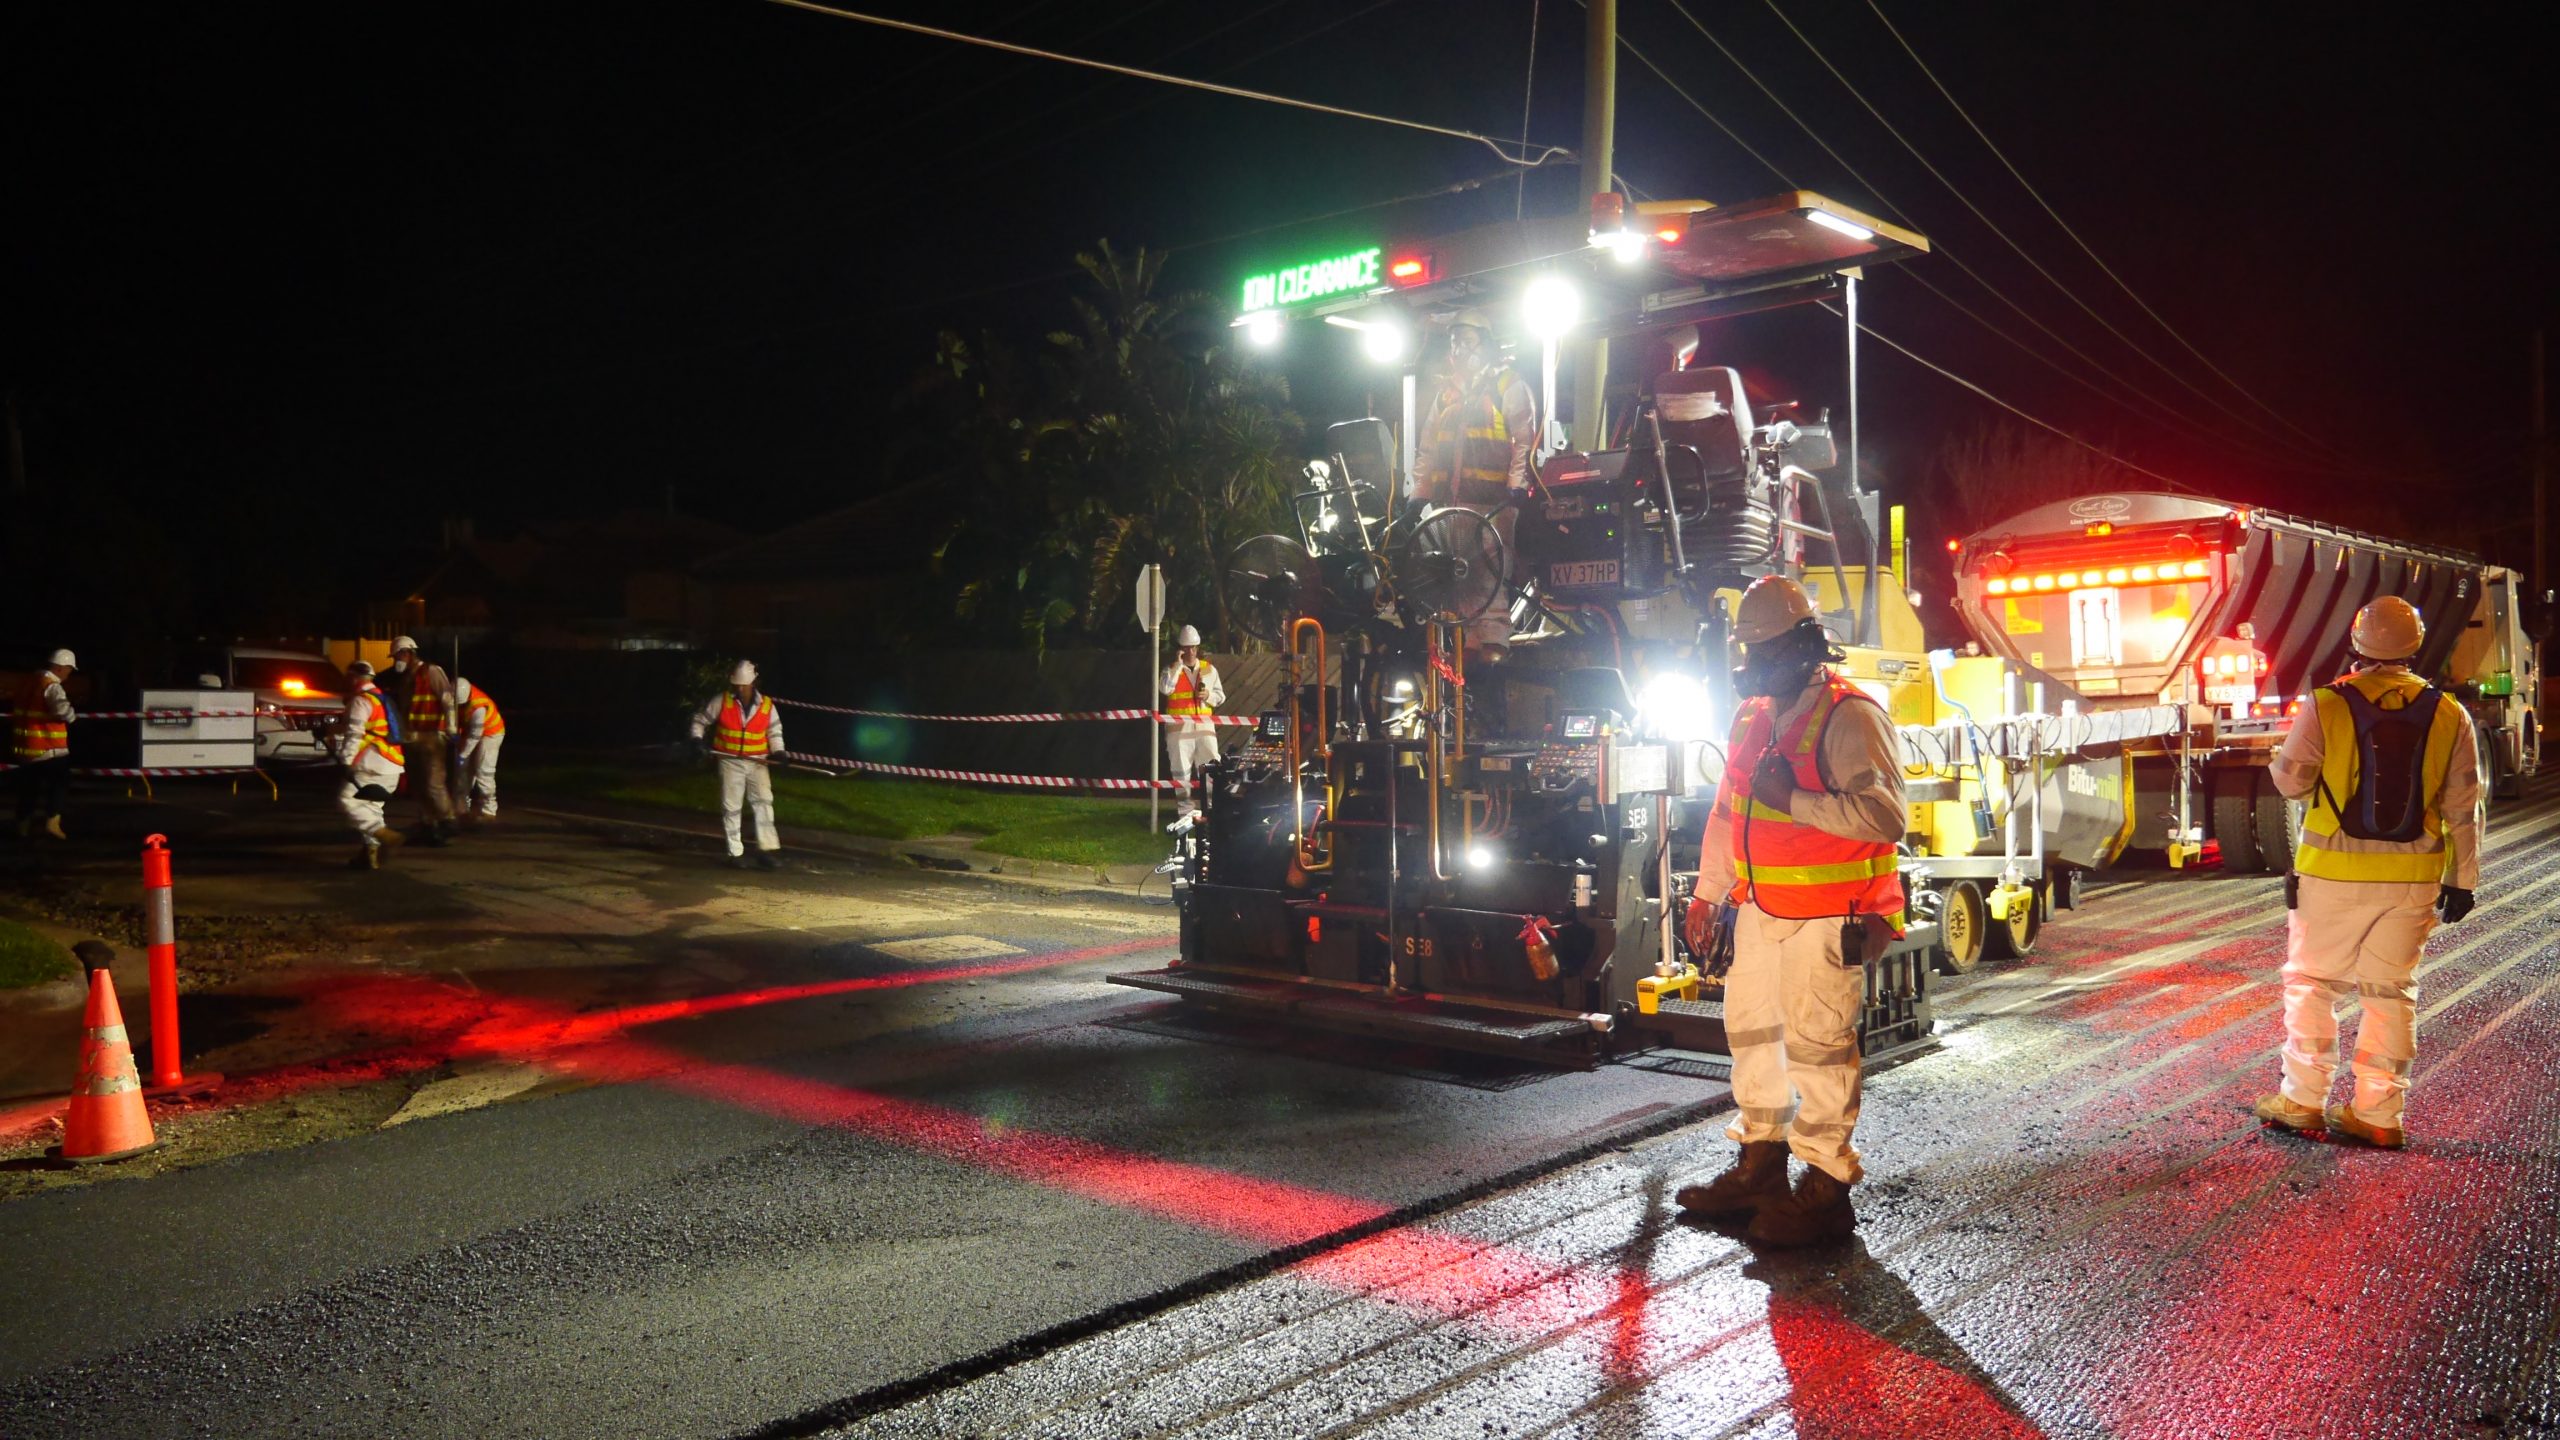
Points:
(920, 772)
(1047, 715)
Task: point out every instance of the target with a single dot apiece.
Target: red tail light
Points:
(1410, 270)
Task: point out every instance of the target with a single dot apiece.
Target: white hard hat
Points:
(744, 674)
(1188, 635)
(64, 657)
(2388, 629)
(403, 643)
(1771, 607)
(361, 667)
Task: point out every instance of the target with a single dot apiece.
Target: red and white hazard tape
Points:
(1049, 715)
(920, 772)
(184, 714)
(134, 772)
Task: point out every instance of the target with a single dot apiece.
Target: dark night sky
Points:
(292, 280)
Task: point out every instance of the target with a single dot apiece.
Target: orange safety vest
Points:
(426, 705)
(1185, 702)
(1470, 458)
(739, 733)
(39, 736)
(377, 728)
(1790, 869)
(496, 724)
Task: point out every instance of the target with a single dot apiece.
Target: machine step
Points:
(1548, 1040)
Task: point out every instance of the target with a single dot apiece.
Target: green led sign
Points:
(1314, 280)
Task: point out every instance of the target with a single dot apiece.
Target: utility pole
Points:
(1599, 130)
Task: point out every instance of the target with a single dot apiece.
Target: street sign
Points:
(1150, 598)
(1314, 280)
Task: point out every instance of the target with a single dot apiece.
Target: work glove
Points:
(1774, 783)
(1698, 927)
(2452, 903)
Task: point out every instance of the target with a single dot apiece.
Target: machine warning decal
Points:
(2021, 619)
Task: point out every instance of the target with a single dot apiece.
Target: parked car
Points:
(306, 693)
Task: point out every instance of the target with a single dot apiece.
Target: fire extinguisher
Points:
(1537, 937)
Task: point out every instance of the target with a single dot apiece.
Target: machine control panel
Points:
(1268, 744)
(1571, 754)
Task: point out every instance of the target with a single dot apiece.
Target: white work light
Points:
(1480, 858)
(1551, 307)
(1627, 246)
(1676, 707)
(1261, 329)
(1829, 221)
(1385, 341)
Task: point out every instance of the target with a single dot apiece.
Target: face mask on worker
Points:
(1466, 350)
(1780, 667)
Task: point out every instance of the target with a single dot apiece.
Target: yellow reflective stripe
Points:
(2387, 867)
(1847, 870)
(1813, 719)
(1758, 811)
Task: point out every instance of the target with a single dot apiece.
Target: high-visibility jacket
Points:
(42, 726)
(480, 717)
(428, 689)
(377, 729)
(1789, 869)
(2426, 860)
(742, 732)
(1479, 436)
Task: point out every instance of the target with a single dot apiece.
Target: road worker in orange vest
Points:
(40, 746)
(1192, 694)
(1475, 449)
(479, 733)
(1802, 844)
(742, 732)
(372, 759)
(2390, 768)
(425, 694)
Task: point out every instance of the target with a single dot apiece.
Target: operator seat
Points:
(1704, 407)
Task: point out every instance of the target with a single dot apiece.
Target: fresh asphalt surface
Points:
(664, 1258)
(2072, 1227)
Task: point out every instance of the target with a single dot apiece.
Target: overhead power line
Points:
(2236, 443)
(2065, 226)
(2020, 251)
(1544, 154)
(1943, 372)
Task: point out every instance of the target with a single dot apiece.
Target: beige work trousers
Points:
(1186, 751)
(480, 776)
(1791, 1021)
(430, 775)
(2334, 951)
(746, 783)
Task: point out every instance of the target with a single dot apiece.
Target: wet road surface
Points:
(859, 1194)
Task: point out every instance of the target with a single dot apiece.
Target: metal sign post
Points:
(1151, 619)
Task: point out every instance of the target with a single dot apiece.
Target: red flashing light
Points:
(1411, 270)
(1669, 235)
(1954, 546)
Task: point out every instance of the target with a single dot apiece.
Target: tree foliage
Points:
(1132, 436)
(2000, 467)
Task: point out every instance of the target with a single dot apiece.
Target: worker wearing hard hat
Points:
(2390, 846)
(742, 731)
(479, 732)
(425, 694)
(369, 749)
(1802, 843)
(1483, 423)
(40, 746)
(1192, 693)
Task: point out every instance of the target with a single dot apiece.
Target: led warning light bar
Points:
(2171, 572)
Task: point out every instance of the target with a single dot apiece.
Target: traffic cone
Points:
(106, 1120)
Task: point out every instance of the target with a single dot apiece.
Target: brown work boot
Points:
(1816, 1212)
(1757, 1177)
(53, 827)
(2343, 1121)
(388, 836)
(2279, 1109)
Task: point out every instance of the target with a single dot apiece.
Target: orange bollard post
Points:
(160, 930)
(106, 1119)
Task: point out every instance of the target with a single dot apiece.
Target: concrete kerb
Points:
(935, 852)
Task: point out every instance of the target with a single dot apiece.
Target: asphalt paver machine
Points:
(1417, 844)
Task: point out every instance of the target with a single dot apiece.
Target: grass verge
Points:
(1069, 829)
(27, 958)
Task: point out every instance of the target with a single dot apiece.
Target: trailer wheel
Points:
(1964, 926)
(2505, 780)
(2232, 826)
(2274, 828)
(2015, 939)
